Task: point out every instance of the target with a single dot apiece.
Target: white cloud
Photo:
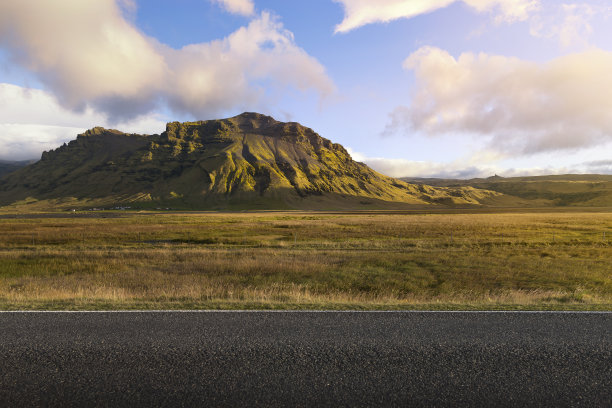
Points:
(25, 142)
(519, 107)
(358, 13)
(32, 121)
(463, 168)
(89, 56)
(570, 24)
(223, 74)
(475, 166)
(409, 168)
(242, 7)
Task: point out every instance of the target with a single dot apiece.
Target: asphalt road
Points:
(305, 359)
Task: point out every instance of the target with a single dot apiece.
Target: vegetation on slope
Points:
(580, 190)
(248, 161)
(7, 167)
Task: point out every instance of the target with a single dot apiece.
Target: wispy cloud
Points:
(358, 13)
(569, 23)
(242, 7)
(518, 107)
(88, 55)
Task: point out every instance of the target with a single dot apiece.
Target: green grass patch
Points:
(297, 260)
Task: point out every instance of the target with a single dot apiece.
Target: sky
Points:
(413, 88)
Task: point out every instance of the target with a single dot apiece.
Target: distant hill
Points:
(7, 167)
(248, 161)
(582, 190)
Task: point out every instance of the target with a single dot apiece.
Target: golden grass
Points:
(306, 260)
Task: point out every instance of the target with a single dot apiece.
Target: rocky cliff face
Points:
(247, 160)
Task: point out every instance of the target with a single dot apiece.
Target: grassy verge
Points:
(514, 261)
(82, 305)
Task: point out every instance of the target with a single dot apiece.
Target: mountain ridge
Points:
(247, 161)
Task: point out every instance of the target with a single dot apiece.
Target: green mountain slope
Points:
(248, 161)
(7, 167)
(579, 190)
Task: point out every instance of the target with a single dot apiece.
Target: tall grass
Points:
(307, 260)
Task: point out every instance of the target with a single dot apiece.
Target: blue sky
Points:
(446, 88)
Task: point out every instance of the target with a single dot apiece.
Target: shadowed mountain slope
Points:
(248, 161)
(7, 167)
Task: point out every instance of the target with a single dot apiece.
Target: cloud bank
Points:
(241, 7)
(474, 167)
(89, 56)
(358, 13)
(519, 107)
(459, 170)
(413, 168)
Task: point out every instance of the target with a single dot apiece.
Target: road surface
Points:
(330, 359)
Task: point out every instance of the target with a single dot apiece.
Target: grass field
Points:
(306, 260)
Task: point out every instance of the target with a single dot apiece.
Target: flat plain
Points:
(378, 260)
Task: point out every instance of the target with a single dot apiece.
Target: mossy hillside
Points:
(577, 190)
(7, 167)
(245, 161)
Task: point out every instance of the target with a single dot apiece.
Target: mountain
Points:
(7, 167)
(577, 190)
(248, 161)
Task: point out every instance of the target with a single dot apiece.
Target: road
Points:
(331, 359)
